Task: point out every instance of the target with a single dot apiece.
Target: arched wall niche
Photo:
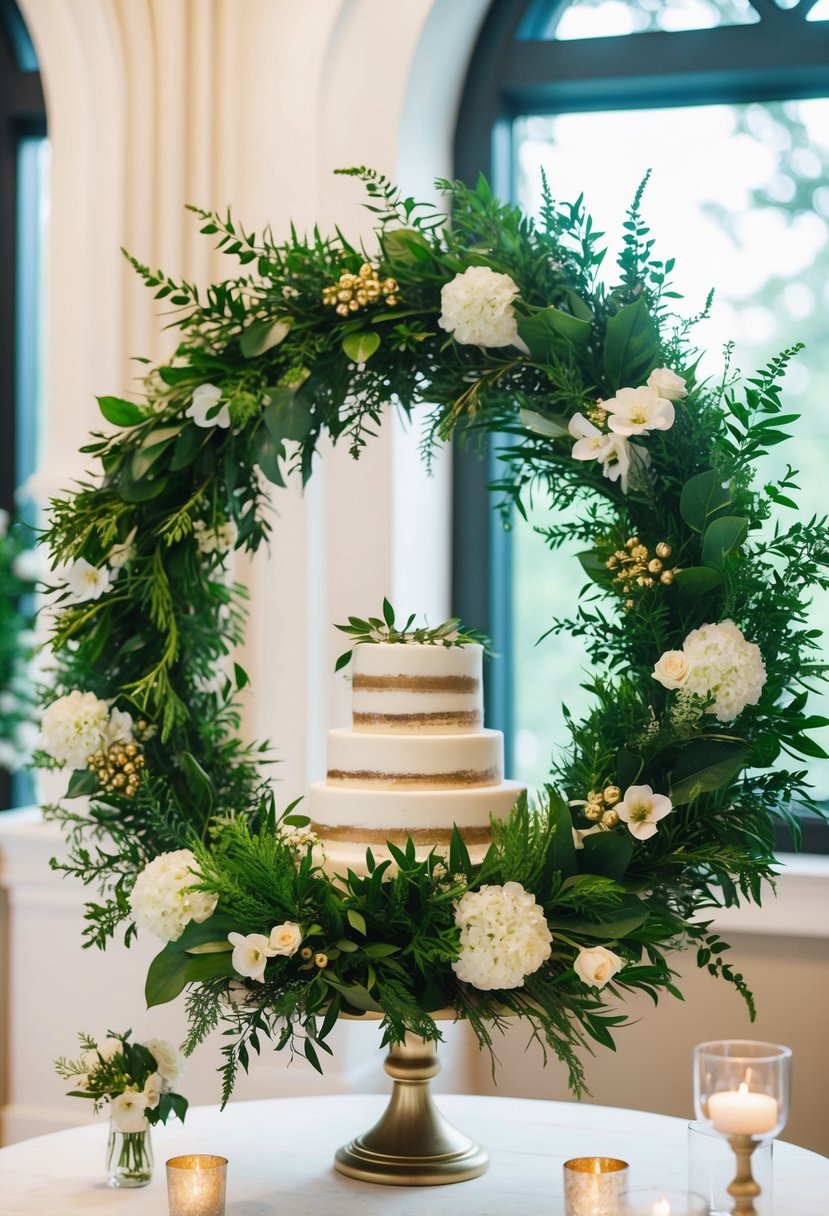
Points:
(153, 104)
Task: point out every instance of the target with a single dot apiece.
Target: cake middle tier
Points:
(409, 762)
(373, 816)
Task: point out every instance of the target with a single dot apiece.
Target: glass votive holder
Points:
(659, 1201)
(196, 1185)
(592, 1185)
(711, 1169)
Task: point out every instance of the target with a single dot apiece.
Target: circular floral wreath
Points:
(694, 615)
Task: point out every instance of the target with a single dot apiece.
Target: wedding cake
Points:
(416, 760)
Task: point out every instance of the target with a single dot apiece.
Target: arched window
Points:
(728, 103)
(24, 157)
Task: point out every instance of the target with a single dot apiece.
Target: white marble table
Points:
(281, 1153)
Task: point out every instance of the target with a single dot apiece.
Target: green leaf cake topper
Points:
(693, 612)
(375, 629)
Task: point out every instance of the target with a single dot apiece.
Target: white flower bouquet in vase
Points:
(136, 1080)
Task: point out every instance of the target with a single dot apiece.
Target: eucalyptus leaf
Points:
(631, 346)
(285, 416)
(703, 497)
(693, 582)
(722, 537)
(607, 854)
(119, 412)
(595, 567)
(550, 329)
(263, 335)
(706, 764)
(361, 346)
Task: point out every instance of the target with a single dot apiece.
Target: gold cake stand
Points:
(412, 1144)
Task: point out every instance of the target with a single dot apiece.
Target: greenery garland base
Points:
(693, 608)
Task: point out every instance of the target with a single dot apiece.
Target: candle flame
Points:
(742, 1088)
(662, 1208)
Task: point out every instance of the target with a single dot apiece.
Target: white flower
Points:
(285, 939)
(220, 539)
(668, 384)
(618, 460)
(168, 1061)
(161, 900)
(153, 1089)
(250, 954)
(72, 727)
(27, 566)
(580, 833)
(122, 553)
(118, 729)
(637, 411)
(204, 407)
(591, 443)
(641, 809)
(110, 1048)
(477, 308)
(596, 966)
(504, 936)
(672, 669)
(724, 668)
(127, 1112)
(87, 582)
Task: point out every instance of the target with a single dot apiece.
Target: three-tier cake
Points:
(416, 760)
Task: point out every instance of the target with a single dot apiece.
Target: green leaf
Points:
(361, 346)
(356, 995)
(702, 498)
(553, 427)
(550, 329)
(263, 335)
(631, 346)
(148, 454)
(406, 245)
(627, 916)
(188, 445)
(706, 764)
(628, 768)
(81, 783)
(723, 536)
(120, 413)
(139, 489)
(171, 971)
(693, 582)
(607, 854)
(595, 568)
(267, 453)
(357, 921)
(388, 613)
(561, 855)
(285, 417)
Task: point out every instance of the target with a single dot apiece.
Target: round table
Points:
(281, 1153)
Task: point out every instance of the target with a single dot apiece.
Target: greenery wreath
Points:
(694, 614)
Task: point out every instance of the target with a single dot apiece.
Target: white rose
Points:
(127, 1112)
(596, 966)
(477, 308)
(168, 1061)
(110, 1048)
(285, 939)
(672, 669)
(668, 384)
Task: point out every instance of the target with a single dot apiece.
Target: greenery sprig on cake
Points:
(692, 597)
(377, 629)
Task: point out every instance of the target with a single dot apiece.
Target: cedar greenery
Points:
(291, 369)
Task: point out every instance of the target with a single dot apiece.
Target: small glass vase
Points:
(129, 1157)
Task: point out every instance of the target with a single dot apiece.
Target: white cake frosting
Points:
(416, 761)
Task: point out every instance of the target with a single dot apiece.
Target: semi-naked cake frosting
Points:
(416, 761)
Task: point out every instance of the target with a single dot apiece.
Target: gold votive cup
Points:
(196, 1185)
(593, 1185)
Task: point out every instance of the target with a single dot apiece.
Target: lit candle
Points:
(661, 1208)
(196, 1185)
(742, 1112)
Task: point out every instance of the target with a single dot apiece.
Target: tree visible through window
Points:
(728, 105)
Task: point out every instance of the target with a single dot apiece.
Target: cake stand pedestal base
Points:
(412, 1144)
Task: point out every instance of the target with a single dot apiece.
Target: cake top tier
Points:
(417, 688)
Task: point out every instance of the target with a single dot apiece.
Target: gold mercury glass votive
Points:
(592, 1185)
(196, 1185)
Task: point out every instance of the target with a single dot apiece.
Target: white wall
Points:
(155, 103)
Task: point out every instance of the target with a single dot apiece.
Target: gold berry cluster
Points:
(637, 567)
(601, 806)
(119, 768)
(352, 292)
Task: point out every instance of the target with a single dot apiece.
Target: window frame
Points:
(515, 70)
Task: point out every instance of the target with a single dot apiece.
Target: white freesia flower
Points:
(169, 1061)
(672, 669)
(87, 582)
(127, 1112)
(285, 939)
(203, 408)
(641, 809)
(72, 727)
(504, 936)
(161, 900)
(668, 384)
(638, 411)
(722, 667)
(591, 443)
(596, 966)
(477, 308)
(153, 1089)
(122, 553)
(580, 833)
(250, 954)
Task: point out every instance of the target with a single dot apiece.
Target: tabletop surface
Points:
(281, 1153)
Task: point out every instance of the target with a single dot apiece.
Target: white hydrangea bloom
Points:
(73, 726)
(721, 666)
(161, 900)
(504, 936)
(477, 308)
